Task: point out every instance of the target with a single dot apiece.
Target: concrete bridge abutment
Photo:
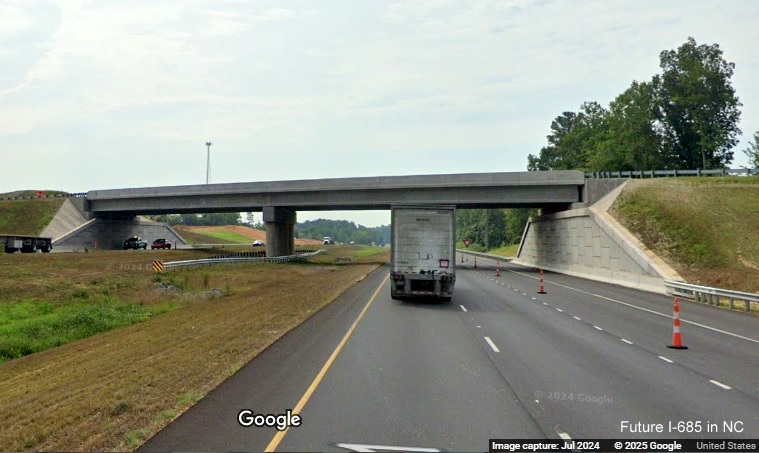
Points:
(280, 230)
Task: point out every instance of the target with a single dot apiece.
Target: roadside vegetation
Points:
(228, 237)
(506, 250)
(173, 337)
(707, 229)
(28, 217)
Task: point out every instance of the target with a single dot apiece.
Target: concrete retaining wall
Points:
(589, 243)
(68, 217)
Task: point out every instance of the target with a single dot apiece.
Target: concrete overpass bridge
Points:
(574, 233)
(280, 200)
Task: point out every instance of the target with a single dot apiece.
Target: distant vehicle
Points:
(328, 240)
(258, 243)
(423, 258)
(26, 244)
(161, 244)
(353, 242)
(135, 243)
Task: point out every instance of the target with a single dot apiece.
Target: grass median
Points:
(114, 389)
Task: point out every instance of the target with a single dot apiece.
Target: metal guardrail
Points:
(211, 261)
(257, 254)
(505, 259)
(711, 296)
(671, 173)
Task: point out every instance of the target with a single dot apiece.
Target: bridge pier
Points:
(280, 230)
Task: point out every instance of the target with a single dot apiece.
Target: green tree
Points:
(516, 219)
(575, 141)
(752, 152)
(635, 131)
(698, 105)
(555, 156)
(485, 227)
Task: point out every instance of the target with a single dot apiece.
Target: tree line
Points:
(343, 231)
(685, 117)
(492, 228)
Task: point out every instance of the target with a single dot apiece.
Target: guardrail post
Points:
(731, 302)
(748, 306)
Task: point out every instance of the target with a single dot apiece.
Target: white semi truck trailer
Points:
(423, 256)
(26, 244)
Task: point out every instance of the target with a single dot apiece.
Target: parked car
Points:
(161, 244)
(328, 240)
(135, 243)
(258, 243)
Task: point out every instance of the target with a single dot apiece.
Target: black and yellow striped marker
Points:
(158, 266)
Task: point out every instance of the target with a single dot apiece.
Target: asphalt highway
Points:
(586, 360)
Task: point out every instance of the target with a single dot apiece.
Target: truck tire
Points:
(10, 249)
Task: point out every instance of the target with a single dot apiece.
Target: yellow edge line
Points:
(304, 399)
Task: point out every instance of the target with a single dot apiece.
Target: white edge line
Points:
(665, 359)
(627, 341)
(463, 308)
(492, 345)
(577, 318)
(565, 436)
(560, 310)
(719, 384)
(598, 328)
(644, 309)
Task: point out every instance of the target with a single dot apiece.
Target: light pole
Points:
(208, 163)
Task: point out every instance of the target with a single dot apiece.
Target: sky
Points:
(106, 95)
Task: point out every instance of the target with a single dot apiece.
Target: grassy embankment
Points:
(505, 250)
(113, 390)
(707, 229)
(28, 217)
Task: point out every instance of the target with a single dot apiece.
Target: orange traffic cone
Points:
(497, 271)
(541, 290)
(677, 341)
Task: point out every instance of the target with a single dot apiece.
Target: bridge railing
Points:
(212, 261)
(34, 197)
(711, 296)
(671, 173)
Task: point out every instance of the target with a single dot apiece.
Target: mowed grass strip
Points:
(506, 250)
(114, 390)
(226, 236)
(705, 228)
(364, 254)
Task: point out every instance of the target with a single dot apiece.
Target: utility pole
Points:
(208, 163)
